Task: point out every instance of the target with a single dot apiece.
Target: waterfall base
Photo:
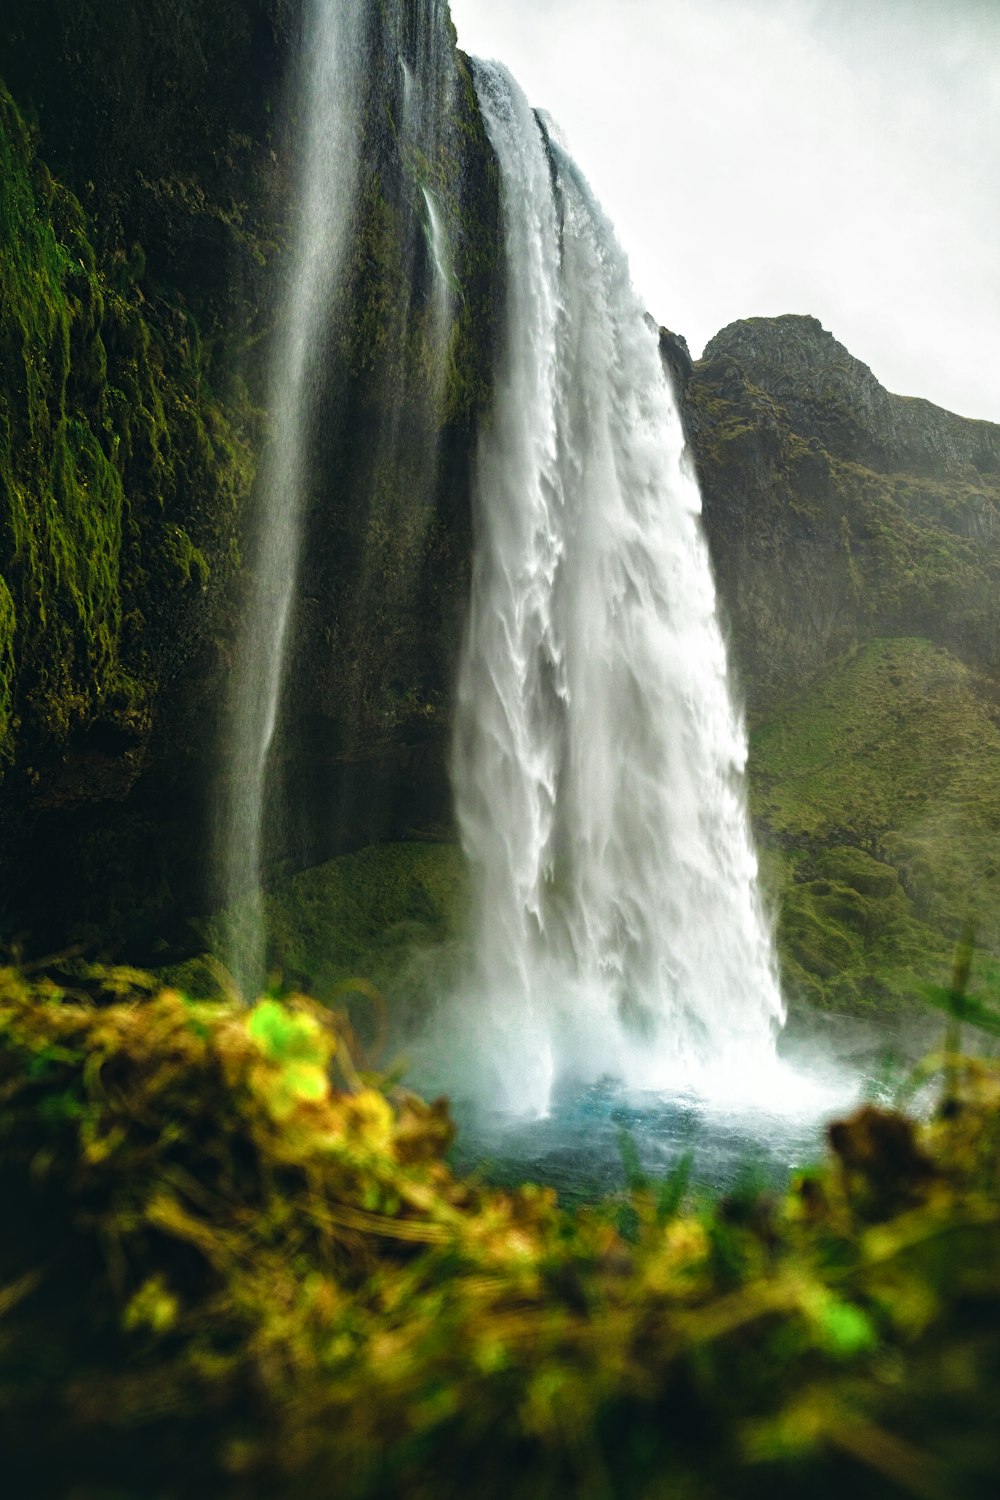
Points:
(598, 1136)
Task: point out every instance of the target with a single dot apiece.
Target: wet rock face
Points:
(676, 357)
(835, 511)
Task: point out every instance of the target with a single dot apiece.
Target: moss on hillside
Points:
(820, 541)
(876, 794)
(390, 915)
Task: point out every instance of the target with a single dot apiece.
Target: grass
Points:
(392, 913)
(876, 795)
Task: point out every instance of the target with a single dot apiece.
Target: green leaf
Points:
(845, 1331)
(285, 1036)
(675, 1185)
(964, 1008)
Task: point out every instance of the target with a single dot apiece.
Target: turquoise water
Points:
(596, 1137)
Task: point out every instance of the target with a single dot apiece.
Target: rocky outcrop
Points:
(144, 231)
(856, 542)
(361, 750)
(833, 397)
(837, 512)
(169, 123)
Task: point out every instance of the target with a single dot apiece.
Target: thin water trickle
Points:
(598, 760)
(342, 53)
(444, 275)
(333, 74)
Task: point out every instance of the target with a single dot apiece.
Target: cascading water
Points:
(428, 85)
(598, 758)
(335, 55)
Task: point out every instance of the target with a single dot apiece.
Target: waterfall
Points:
(443, 275)
(335, 55)
(598, 758)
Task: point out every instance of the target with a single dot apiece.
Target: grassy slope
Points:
(390, 916)
(876, 796)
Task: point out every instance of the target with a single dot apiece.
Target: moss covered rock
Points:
(837, 512)
(140, 291)
(121, 477)
(876, 797)
(382, 926)
(166, 119)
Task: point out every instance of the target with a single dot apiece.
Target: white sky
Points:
(833, 157)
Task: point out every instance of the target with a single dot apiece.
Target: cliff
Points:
(148, 163)
(835, 511)
(148, 157)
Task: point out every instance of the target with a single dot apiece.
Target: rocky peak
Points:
(832, 396)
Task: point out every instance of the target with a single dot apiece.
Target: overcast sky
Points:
(833, 157)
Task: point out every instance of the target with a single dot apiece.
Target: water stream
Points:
(331, 87)
(345, 56)
(599, 759)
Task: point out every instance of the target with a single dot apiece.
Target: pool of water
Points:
(596, 1136)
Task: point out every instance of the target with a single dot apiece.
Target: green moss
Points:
(390, 914)
(187, 561)
(61, 496)
(877, 793)
(120, 473)
(858, 870)
(8, 625)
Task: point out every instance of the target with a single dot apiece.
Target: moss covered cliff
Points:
(148, 157)
(148, 154)
(121, 477)
(168, 121)
(380, 602)
(835, 511)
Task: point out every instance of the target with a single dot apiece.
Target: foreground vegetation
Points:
(235, 1265)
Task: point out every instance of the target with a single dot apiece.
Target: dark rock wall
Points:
(145, 294)
(169, 120)
(362, 746)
